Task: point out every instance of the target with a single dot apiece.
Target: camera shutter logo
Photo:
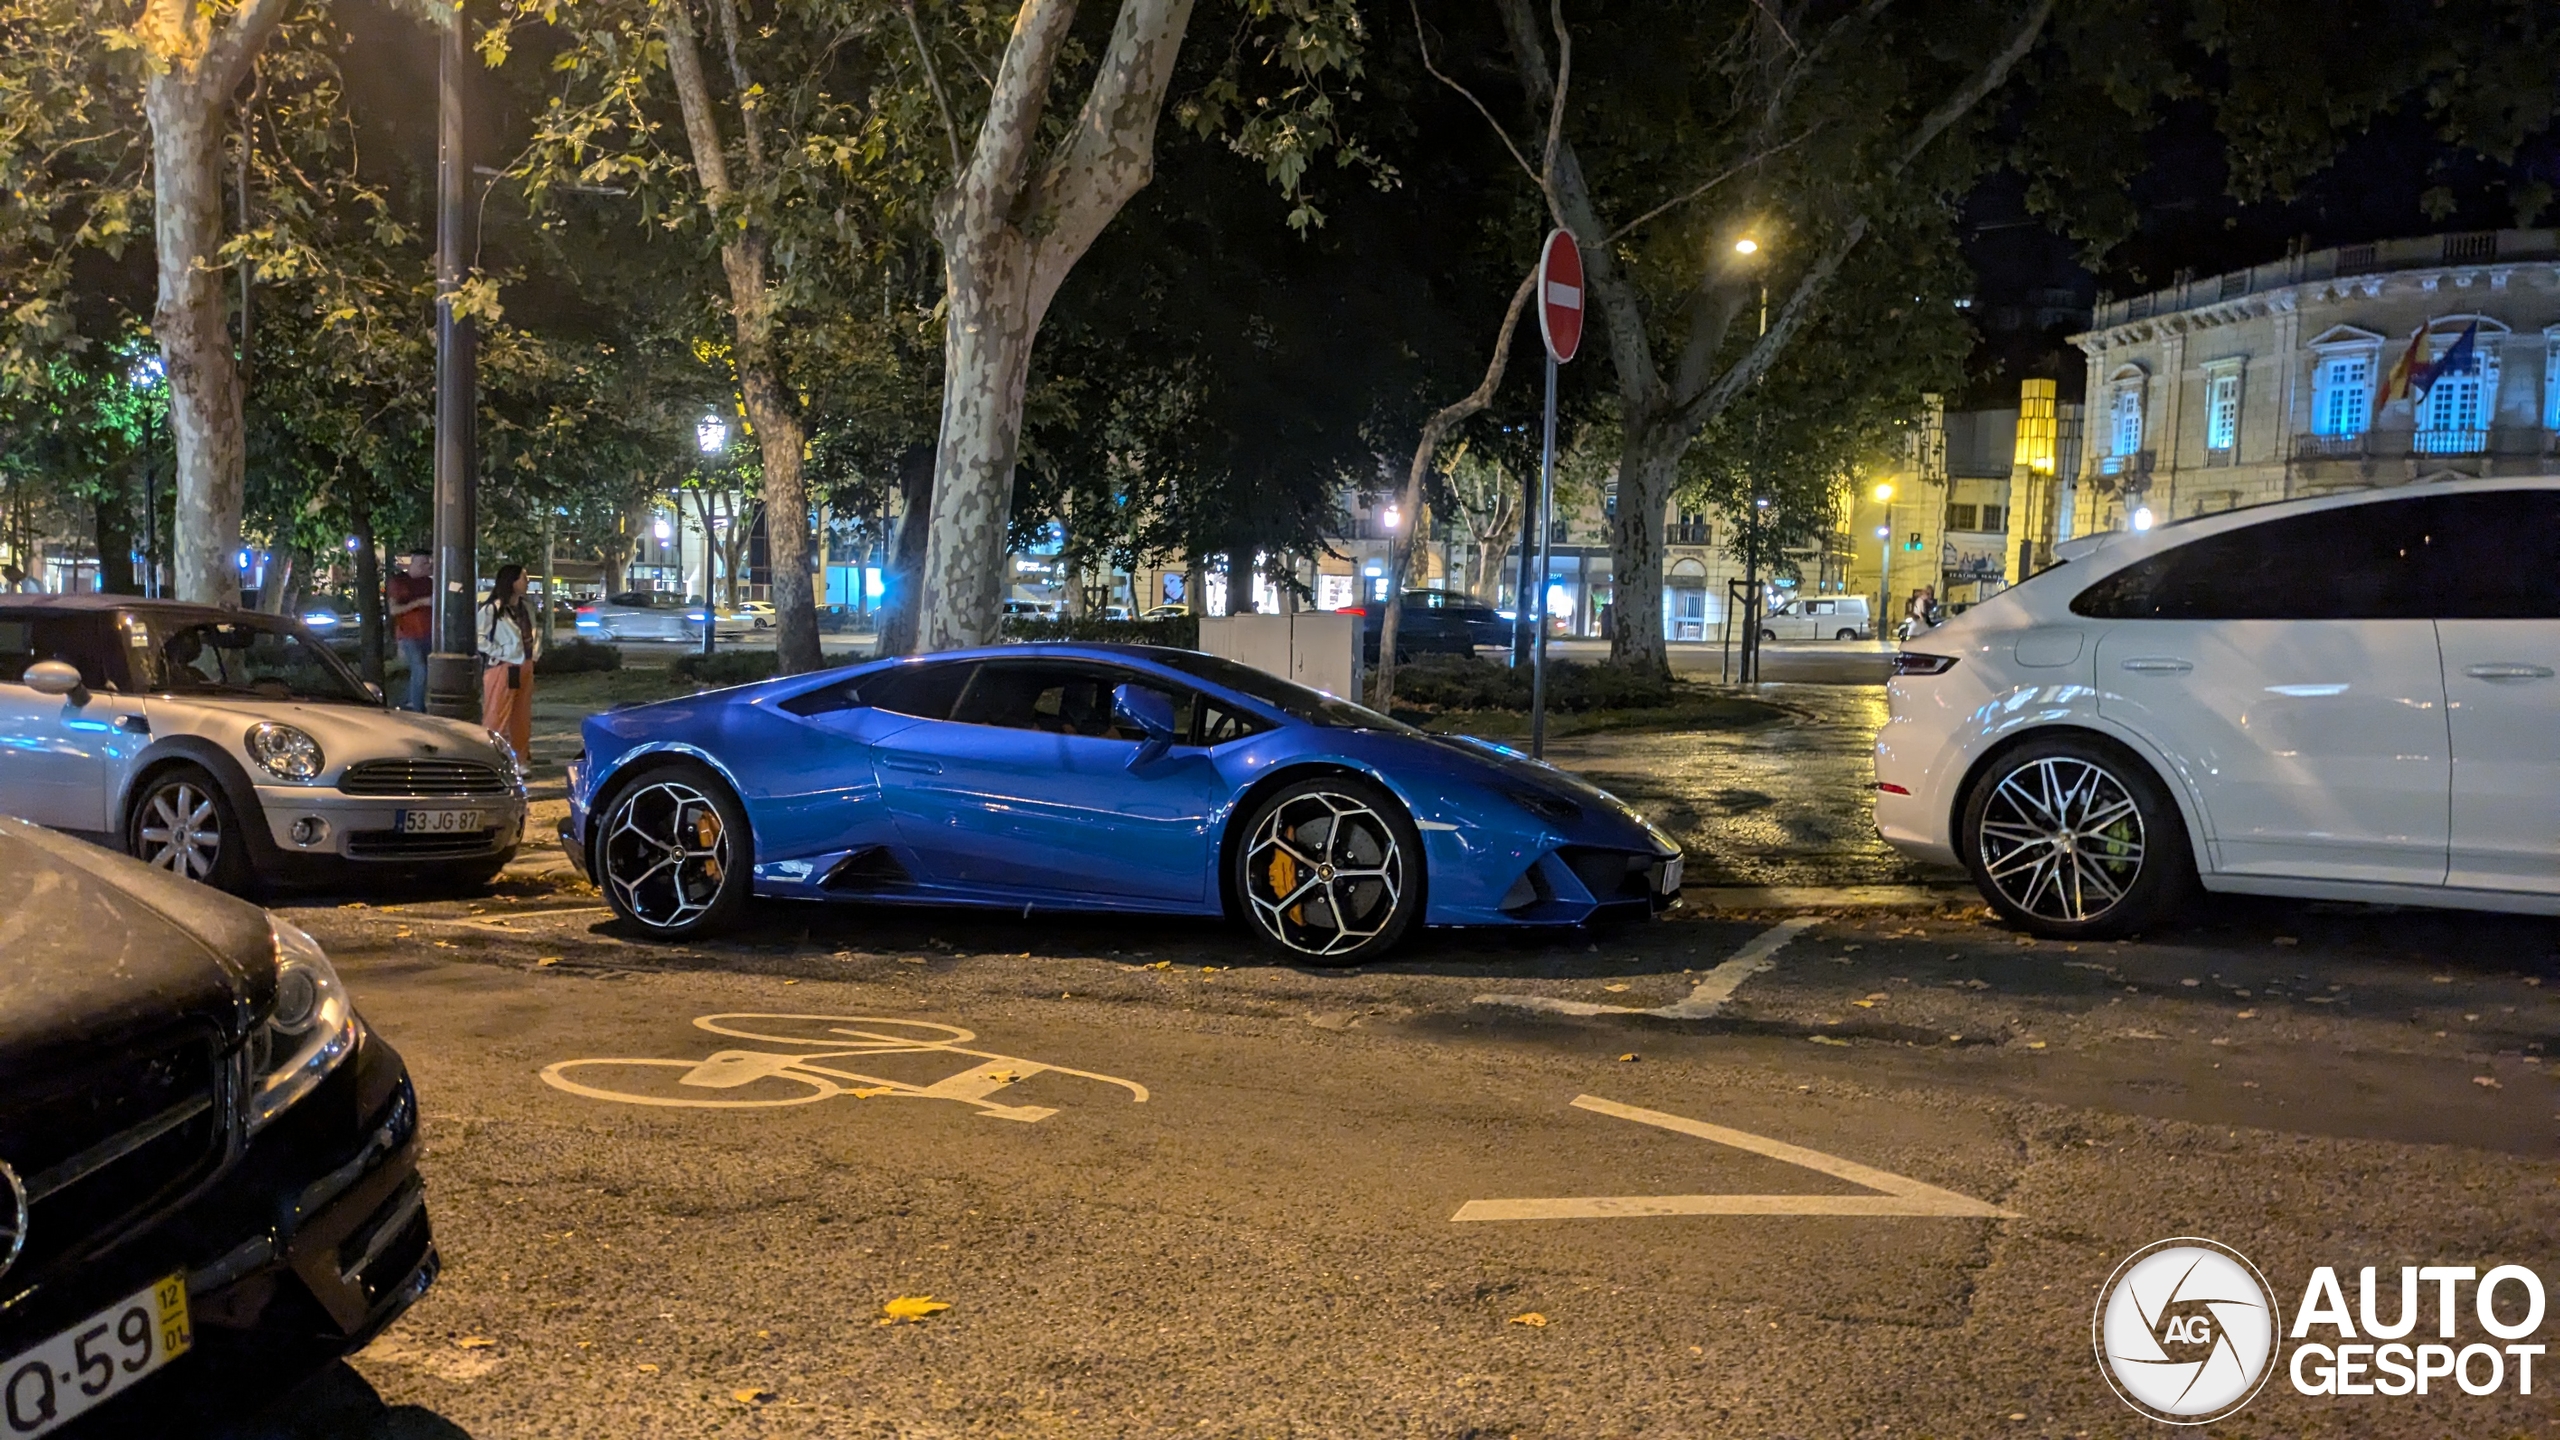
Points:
(2186, 1331)
(13, 1217)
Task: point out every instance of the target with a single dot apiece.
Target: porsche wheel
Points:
(673, 851)
(183, 823)
(1330, 871)
(2075, 839)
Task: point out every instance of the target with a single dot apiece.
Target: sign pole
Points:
(453, 669)
(1560, 325)
(1546, 554)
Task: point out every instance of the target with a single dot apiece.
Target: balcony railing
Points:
(2139, 462)
(2402, 444)
(1690, 532)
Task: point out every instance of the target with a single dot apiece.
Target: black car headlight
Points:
(1554, 809)
(285, 752)
(311, 1028)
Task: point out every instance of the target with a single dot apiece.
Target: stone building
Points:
(2269, 383)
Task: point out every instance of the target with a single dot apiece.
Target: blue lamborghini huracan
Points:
(1093, 777)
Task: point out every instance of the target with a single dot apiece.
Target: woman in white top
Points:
(507, 646)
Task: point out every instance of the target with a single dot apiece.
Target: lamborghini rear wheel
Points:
(1331, 871)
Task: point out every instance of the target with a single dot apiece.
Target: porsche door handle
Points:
(2158, 665)
(2507, 672)
(915, 763)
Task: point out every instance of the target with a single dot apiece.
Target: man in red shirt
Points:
(412, 593)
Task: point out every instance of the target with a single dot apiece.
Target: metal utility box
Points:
(1319, 649)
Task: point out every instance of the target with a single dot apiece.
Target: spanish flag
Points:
(2396, 385)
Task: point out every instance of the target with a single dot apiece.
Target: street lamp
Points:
(1884, 551)
(712, 434)
(2142, 517)
(1746, 246)
(146, 375)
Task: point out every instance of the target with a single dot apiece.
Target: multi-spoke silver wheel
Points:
(665, 854)
(2062, 839)
(180, 830)
(1324, 874)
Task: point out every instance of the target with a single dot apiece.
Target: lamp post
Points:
(1749, 249)
(1884, 552)
(453, 681)
(711, 433)
(145, 376)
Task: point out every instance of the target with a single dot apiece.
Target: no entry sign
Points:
(1560, 296)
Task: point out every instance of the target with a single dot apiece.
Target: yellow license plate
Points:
(66, 1377)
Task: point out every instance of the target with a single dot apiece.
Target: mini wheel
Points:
(673, 852)
(1330, 871)
(181, 822)
(1846, 635)
(2075, 838)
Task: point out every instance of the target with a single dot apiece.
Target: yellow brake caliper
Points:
(706, 833)
(1284, 879)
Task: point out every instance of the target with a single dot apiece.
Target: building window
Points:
(2222, 411)
(2342, 395)
(2124, 420)
(2454, 420)
(1995, 517)
(1961, 517)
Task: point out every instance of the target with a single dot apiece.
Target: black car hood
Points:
(95, 948)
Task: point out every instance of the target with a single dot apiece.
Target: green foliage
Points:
(1181, 632)
(724, 667)
(578, 657)
(1467, 682)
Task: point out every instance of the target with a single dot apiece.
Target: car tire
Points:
(1768, 634)
(2126, 861)
(1330, 871)
(182, 822)
(672, 850)
(1846, 635)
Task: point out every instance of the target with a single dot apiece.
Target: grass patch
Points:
(1690, 708)
(593, 690)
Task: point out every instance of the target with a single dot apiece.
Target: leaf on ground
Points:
(753, 1397)
(646, 1368)
(910, 1308)
(473, 1342)
(2487, 1082)
(1532, 1319)
(1828, 1040)
(546, 960)
(1613, 989)
(1864, 1004)
(1627, 1059)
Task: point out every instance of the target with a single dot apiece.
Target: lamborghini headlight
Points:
(311, 1028)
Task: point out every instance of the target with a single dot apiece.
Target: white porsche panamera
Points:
(2355, 697)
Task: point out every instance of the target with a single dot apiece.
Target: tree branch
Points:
(226, 59)
(740, 88)
(933, 82)
(1685, 196)
(1002, 157)
(693, 96)
(1499, 133)
(1110, 154)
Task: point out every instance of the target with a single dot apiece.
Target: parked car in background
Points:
(236, 749)
(208, 1162)
(1094, 777)
(1819, 617)
(758, 612)
(1167, 612)
(1433, 622)
(656, 615)
(1030, 610)
(2346, 698)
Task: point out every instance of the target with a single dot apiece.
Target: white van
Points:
(1819, 617)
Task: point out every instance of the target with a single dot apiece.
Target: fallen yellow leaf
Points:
(753, 1397)
(473, 1342)
(1613, 989)
(1532, 1319)
(911, 1308)
(1628, 1058)
(646, 1368)
(1864, 1004)
(546, 960)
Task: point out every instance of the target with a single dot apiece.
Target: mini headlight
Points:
(285, 752)
(515, 762)
(311, 1028)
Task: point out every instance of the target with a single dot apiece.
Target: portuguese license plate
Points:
(439, 822)
(80, 1369)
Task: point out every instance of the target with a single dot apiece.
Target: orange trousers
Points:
(509, 709)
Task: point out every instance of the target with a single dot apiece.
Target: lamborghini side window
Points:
(1219, 724)
(925, 691)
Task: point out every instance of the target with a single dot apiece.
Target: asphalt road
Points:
(1266, 1243)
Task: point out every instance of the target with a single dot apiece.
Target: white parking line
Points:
(1703, 1001)
(1898, 1194)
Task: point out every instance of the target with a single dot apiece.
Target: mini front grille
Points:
(416, 776)
(393, 845)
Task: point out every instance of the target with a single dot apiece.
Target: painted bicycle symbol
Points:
(812, 1070)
